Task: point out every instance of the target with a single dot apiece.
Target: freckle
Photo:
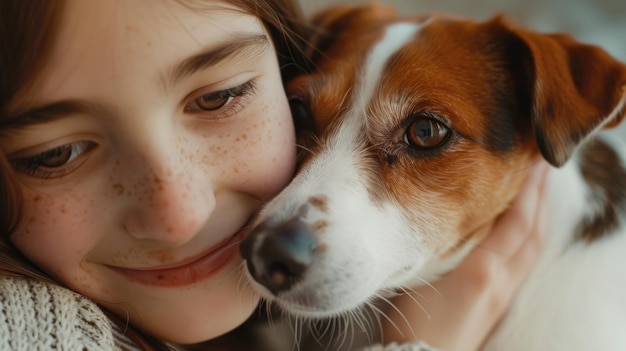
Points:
(322, 247)
(118, 188)
(235, 169)
(37, 198)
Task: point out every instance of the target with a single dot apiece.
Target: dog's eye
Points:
(426, 133)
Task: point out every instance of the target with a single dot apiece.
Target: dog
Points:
(420, 133)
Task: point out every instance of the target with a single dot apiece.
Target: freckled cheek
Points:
(259, 156)
(57, 232)
(266, 161)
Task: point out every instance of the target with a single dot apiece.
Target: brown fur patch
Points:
(319, 202)
(601, 168)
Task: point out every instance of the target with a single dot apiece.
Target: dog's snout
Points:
(277, 258)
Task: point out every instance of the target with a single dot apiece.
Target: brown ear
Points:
(575, 90)
(337, 20)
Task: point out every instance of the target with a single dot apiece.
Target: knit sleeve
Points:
(40, 316)
(418, 346)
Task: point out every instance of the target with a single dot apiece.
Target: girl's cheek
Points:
(256, 157)
(269, 154)
(56, 231)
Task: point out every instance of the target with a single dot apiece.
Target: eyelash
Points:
(34, 166)
(234, 98)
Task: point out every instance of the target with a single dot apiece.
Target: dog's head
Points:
(422, 129)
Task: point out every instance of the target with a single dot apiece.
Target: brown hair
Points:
(27, 33)
(26, 29)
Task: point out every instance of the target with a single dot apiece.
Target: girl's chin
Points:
(196, 329)
(194, 314)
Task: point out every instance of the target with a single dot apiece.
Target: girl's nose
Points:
(168, 206)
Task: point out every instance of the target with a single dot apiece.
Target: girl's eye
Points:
(426, 133)
(54, 163)
(228, 101)
(211, 103)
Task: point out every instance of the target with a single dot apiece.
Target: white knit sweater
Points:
(39, 316)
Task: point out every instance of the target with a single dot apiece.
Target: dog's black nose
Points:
(277, 258)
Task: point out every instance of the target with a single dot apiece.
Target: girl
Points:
(138, 140)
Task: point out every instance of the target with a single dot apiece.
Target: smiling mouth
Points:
(190, 272)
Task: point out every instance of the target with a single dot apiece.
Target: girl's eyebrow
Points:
(49, 113)
(243, 46)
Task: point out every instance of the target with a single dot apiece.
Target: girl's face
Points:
(160, 130)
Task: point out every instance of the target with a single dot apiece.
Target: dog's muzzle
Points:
(278, 257)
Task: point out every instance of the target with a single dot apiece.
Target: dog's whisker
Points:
(370, 314)
(305, 148)
(426, 283)
(297, 332)
(400, 313)
(412, 293)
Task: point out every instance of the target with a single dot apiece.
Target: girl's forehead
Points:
(130, 24)
(110, 39)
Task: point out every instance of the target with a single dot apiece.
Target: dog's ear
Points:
(337, 20)
(572, 89)
(347, 15)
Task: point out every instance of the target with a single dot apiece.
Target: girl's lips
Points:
(189, 272)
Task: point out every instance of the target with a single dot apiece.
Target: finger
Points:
(521, 262)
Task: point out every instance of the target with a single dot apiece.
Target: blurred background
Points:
(601, 22)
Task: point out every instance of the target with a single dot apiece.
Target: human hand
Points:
(459, 311)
